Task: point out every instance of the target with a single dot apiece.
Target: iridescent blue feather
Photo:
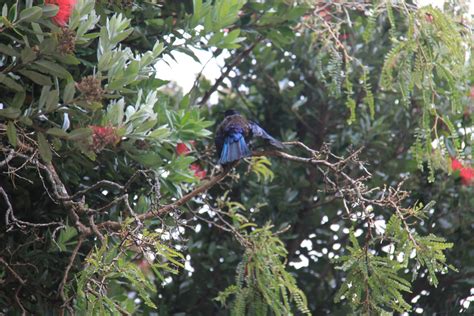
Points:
(234, 148)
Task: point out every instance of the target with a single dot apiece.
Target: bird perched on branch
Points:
(234, 134)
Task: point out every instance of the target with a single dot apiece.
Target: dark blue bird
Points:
(234, 134)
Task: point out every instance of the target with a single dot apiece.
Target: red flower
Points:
(456, 164)
(182, 149)
(65, 10)
(198, 171)
(103, 136)
(465, 173)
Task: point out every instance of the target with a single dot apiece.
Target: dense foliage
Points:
(112, 199)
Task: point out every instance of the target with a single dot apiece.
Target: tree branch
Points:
(228, 69)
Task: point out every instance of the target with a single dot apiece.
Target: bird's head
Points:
(230, 112)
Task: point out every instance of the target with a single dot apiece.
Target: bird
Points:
(233, 135)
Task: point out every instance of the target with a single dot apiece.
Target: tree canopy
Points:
(113, 201)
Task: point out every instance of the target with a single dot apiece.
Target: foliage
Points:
(262, 283)
(103, 215)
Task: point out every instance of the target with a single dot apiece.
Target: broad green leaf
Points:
(13, 12)
(57, 132)
(68, 93)
(27, 55)
(8, 50)
(10, 83)
(44, 148)
(115, 113)
(36, 77)
(43, 96)
(30, 14)
(18, 99)
(50, 10)
(11, 133)
(160, 133)
(68, 59)
(52, 100)
(10, 112)
(80, 133)
(52, 68)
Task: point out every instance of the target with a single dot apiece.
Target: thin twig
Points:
(68, 268)
(228, 68)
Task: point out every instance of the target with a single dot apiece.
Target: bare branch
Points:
(68, 268)
(228, 69)
(13, 272)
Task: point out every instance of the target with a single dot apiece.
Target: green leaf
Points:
(57, 132)
(65, 238)
(68, 59)
(44, 148)
(52, 68)
(43, 96)
(160, 133)
(80, 133)
(8, 50)
(115, 113)
(27, 55)
(18, 99)
(68, 93)
(36, 77)
(50, 10)
(13, 13)
(52, 100)
(30, 14)
(11, 113)
(10, 83)
(11, 133)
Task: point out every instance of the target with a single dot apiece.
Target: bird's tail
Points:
(234, 148)
(275, 142)
(257, 131)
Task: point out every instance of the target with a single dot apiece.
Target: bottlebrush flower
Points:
(456, 164)
(198, 171)
(465, 173)
(103, 136)
(182, 149)
(65, 10)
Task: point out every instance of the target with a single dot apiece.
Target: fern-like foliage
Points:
(261, 167)
(376, 282)
(373, 282)
(426, 65)
(110, 266)
(262, 282)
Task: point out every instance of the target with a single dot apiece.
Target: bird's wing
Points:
(257, 131)
(219, 139)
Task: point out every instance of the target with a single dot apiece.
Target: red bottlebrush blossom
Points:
(103, 136)
(198, 171)
(456, 164)
(182, 149)
(65, 10)
(465, 173)
(471, 93)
